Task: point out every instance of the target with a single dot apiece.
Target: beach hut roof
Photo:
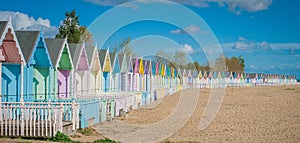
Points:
(13, 55)
(78, 53)
(32, 42)
(112, 58)
(124, 61)
(130, 64)
(153, 68)
(115, 62)
(146, 66)
(200, 75)
(3, 25)
(121, 57)
(102, 54)
(90, 50)
(55, 48)
(27, 41)
(2, 28)
(92, 55)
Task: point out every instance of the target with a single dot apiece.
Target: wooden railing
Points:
(36, 119)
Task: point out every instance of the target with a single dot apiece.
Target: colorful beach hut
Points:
(62, 68)
(81, 70)
(38, 68)
(95, 69)
(123, 61)
(106, 69)
(11, 65)
(116, 79)
(130, 74)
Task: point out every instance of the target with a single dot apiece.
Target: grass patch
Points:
(105, 141)
(86, 131)
(60, 137)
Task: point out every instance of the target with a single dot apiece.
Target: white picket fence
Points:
(36, 119)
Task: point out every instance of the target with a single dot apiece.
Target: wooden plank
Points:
(13, 120)
(1, 117)
(9, 121)
(46, 120)
(50, 124)
(6, 120)
(34, 120)
(30, 120)
(26, 114)
(38, 120)
(42, 121)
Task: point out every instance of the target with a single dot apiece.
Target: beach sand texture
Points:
(248, 114)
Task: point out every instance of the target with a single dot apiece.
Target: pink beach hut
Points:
(81, 70)
(62, 67)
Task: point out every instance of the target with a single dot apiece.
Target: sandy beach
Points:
(248, 114)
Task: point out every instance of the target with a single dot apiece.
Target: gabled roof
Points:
(146, 66)
(2, 26)
(55, 48)
(92, 55)
(90, 51)
(102, 54)
(124, 62)
(121, 57)
(112, 59)
(27, 41)
(130, 64)
(13, 55)
(77, 52)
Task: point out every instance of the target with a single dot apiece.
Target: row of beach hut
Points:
(73, 80)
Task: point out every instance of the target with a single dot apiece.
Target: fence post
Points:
(1, 110)
(61, 117)
(22, 117)
(73, 116)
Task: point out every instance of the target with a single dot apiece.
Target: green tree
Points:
(85, 35)
(71, 29)
(235, 64)
(197, 66)
(190, 66)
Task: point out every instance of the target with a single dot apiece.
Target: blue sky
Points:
(265, 32)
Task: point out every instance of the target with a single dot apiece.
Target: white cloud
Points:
(187, 48)
(176, 31)
(192, 29)
(22, 21)
(244, 44)
(248, 5)
(236, 6)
